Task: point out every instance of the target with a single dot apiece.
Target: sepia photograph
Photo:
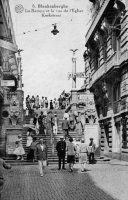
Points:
(63, 99)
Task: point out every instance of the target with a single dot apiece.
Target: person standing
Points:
(28, 102)
(3, 164)
(91, 151)
(37, 101)
(42, 102)
(41, 155)
(33, 101)
(56, 121)
(71, 150)
(51, 105)
(46, 102)
(50, 124)
(61, 150)
(29, 137)
(36, 124)
(83, 155)
(65, 127)
(44, 121)
(40, 120)
(30, 155)
(19, 150)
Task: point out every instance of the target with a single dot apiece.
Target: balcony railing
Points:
(119, 106)
(116, 107)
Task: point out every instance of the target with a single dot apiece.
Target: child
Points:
(3, 164)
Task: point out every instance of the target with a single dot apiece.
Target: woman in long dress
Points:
(83, 155)
(19, 150)
(29, 138)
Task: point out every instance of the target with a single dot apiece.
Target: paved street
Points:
(101, 181)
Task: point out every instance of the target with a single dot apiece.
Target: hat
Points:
(49, 112)
(19, 135)
(61, 137)
(82, 139)
(71, 139)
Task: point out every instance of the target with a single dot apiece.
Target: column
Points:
(19, 73)
(73, 72)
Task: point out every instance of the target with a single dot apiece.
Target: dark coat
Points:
(39, 154)
(40, 119)
(61, 148)
(65, 124)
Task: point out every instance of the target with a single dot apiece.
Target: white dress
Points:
(19, 150)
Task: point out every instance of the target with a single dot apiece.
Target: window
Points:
(116, 92)
(116, 98)
(114, 41)
(96, 59)
(105, 50)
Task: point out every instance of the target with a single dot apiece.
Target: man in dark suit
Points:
(41, 155)
(61, 149)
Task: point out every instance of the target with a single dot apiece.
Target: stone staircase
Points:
(52, 153)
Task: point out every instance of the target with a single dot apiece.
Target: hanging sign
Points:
(7, 83)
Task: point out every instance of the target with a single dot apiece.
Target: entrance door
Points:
(117, 142)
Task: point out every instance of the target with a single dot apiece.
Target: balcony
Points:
(117, 106)
(97, 74)
(109, 65)
(103, 5)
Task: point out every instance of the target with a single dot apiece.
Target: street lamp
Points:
(54, 31)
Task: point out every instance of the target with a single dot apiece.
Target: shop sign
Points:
(88, 100)
(77, 75)
(7, 83)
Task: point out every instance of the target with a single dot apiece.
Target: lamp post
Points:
(74, 97)
(74, 68)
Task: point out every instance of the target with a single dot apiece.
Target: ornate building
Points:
(106, 67)
(11, 94)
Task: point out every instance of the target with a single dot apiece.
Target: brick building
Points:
(106, 68)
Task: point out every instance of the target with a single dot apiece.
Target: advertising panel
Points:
(88, 100)
(92, 131)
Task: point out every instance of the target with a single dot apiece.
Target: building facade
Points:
(11, 94)
(106, 68)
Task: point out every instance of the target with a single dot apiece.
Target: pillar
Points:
(74, 72)
(19, 73)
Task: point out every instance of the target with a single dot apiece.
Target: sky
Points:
(46, 58)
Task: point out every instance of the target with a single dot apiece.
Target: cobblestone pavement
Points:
(100, 182)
